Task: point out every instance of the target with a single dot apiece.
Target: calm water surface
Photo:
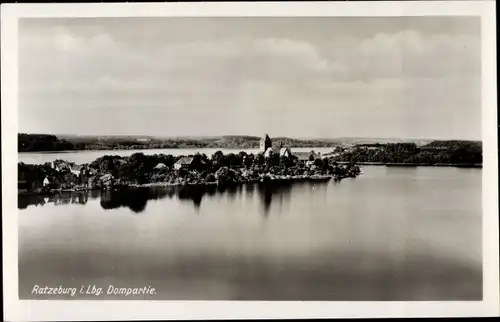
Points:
(390, 234)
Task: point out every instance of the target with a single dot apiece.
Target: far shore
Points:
(392, 164)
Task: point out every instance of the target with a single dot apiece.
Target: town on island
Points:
(274, 162)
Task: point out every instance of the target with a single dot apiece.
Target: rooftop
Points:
(185, 160)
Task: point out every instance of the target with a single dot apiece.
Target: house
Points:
(183, 163)
(76, 169)
(302, 156)
(306, 156)
(285, 152)
(247, 173)
(107, 179)
(269, 151)
(62, 166)
(160, 166)
(46, 182)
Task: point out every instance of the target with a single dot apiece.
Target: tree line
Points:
(46, 142)
(436, 152)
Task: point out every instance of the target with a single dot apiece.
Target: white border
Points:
(16, 310)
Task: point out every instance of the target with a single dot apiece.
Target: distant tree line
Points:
(436, 152)
(44, 142)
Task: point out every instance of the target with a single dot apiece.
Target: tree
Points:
(204, 158)
(259, 159)
(217, 156)
(249, 160)
(198, 163)
(233, 160)
(286, 161)
(319, 163)
(210, 177)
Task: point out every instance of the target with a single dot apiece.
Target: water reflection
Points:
(372, 238)
(136, 199)
(195, 194)
(24, 201)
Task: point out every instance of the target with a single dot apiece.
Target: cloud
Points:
(66, 57)
(333, 79)
(66, 60)
(298, 53)
(409, 54)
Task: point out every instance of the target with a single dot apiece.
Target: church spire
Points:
(265, 143)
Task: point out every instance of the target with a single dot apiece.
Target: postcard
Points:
(249, 160)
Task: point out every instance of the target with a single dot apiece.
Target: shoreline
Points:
(263, 180)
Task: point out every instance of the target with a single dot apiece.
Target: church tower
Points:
(265, 143)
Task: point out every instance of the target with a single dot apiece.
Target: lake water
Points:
(81, 157)
(390, 234)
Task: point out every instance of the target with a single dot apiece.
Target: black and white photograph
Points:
(248, 158)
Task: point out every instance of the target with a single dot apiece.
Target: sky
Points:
(322, 77)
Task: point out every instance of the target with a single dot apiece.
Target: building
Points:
(62, 166)
(183, 163)
(285, 152)
(76, 169)
(306, 156)
(107, 179)
(265, 143)
(269, 151)
(160, 166)
(302, 156)
(247, 173)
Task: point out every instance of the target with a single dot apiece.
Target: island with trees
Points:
(272, 163)
(111, 171)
